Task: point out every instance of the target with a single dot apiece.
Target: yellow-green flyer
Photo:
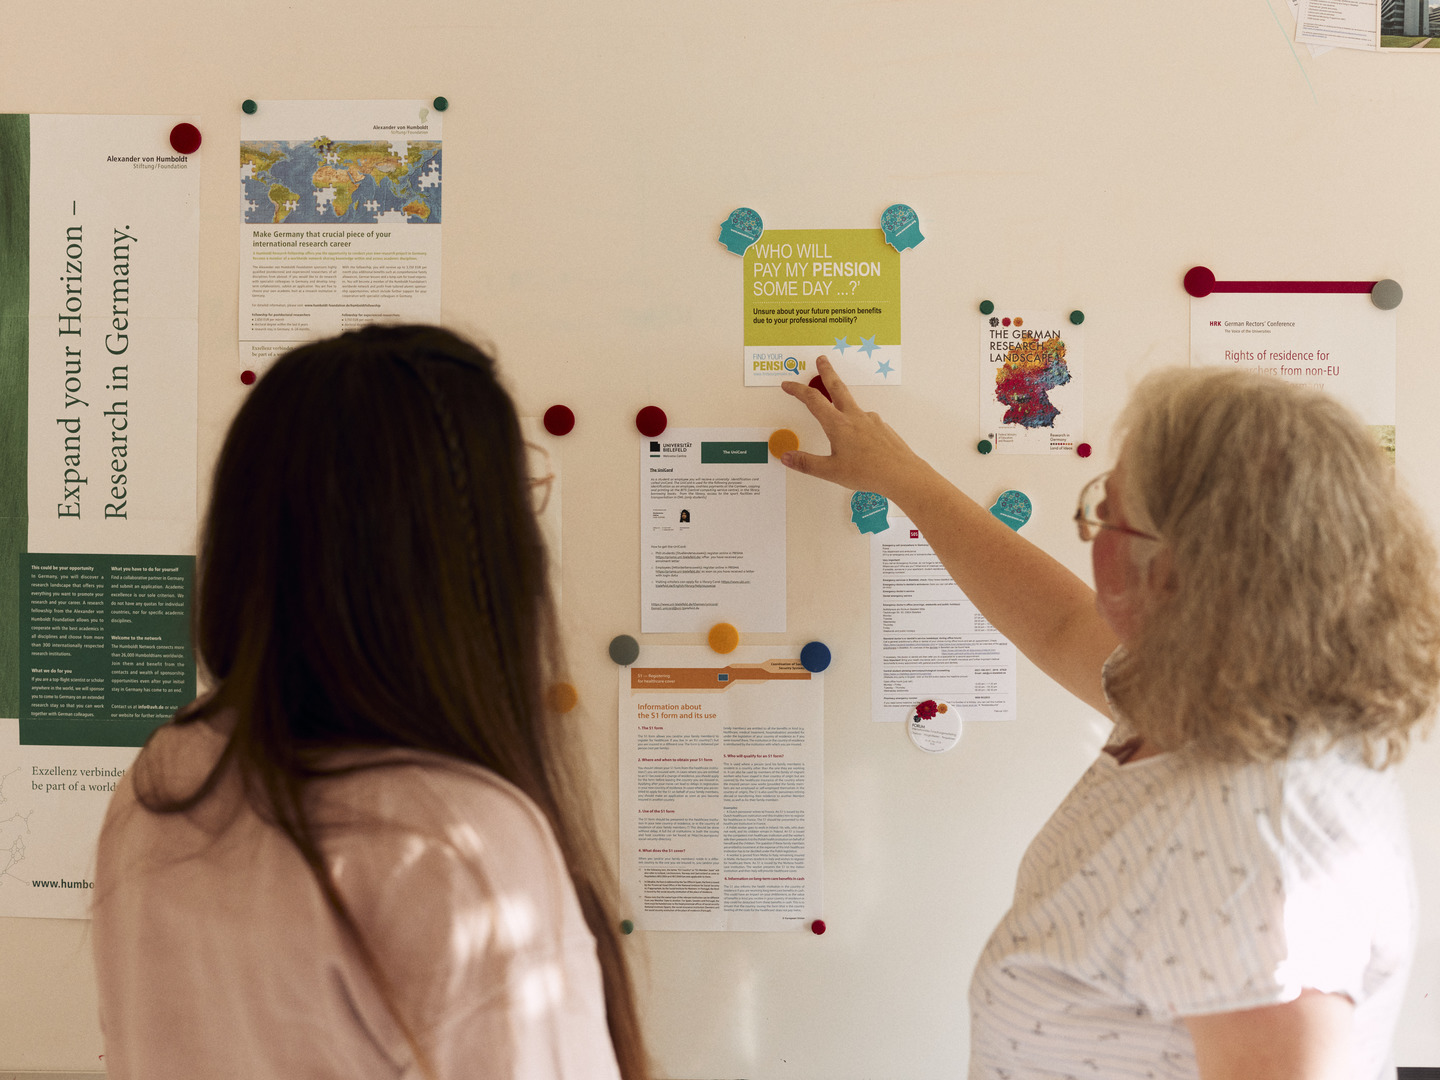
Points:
(822, 292)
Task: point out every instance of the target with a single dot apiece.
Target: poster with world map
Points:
(342, 202)
(321, 181)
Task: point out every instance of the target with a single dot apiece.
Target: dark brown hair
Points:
(372, 575)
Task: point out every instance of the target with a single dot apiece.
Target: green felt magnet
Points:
(624, 650)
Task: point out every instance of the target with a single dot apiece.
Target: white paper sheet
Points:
(1349, 24)
(1031, 382)
(721, 789)
(1340, 342)
(341, 206)
(927, 640)
(712, 532)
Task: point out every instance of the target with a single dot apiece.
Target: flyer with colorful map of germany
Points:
(341, 205)
(1031, 375)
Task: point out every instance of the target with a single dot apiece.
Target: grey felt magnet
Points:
(1387, 294)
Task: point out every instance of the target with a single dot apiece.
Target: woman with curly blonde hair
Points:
(1227, 892)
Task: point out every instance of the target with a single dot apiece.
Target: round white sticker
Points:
(934, 726)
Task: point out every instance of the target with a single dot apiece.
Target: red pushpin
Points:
(819, 384)
(651, 421)
(1083, 449)
(247, 377)
(559, 420)
(817, 927)
(185, 138)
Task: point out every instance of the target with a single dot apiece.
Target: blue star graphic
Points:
(883, 369)
(841, 344)
(867, 344)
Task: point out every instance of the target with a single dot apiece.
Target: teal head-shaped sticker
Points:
(1013, 508)
(741, 229)
(869, 511)
(902, 227)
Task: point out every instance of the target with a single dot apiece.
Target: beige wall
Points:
(1059, 156)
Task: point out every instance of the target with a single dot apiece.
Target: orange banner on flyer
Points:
(715, 678)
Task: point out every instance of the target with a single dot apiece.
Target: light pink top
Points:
(217, 956)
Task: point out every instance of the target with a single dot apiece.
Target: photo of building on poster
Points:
(1031, 379)
(98, 308)
(822, 292)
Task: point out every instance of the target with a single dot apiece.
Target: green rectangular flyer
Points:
(822, 292)
(104, 647)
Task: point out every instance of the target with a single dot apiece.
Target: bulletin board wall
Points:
(1078, 156)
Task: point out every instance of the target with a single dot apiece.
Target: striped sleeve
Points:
(1214, 936)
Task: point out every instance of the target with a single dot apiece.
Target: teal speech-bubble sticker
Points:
(869, 511)
(1013, 508)
(902, 227)
(741, 229)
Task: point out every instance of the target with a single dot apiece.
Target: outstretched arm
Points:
(1032, 599)
(1309, 1038)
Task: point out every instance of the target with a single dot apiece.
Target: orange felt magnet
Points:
(782, 440)
(562, 697)
(724, 637)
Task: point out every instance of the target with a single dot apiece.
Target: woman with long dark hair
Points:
(366, 851)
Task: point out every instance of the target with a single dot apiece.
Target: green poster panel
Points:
(14, 387)
(104, 646)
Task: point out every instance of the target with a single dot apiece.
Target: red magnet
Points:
(1199, 281)
(817, 927)
(1083, 449)
(819, 384)
(559, 420)
(247, 377)
(185, 138)
(651, 421)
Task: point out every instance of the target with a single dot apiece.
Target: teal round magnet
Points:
(902, 226)
(1077, 316)
(986, 307)
(1013, 508)
(624, 649)
(626, 926)
(741, 229)
(441, 104)
(1386, 294)
(248, 107)
(984, 446)
(869, 512)
(815, 657)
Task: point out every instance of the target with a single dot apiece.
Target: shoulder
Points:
(1278, 876)
(464, 806)
(416, 832)
(1311, 802)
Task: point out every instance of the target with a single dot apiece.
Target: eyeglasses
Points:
(1087, 516)
(540, 486)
